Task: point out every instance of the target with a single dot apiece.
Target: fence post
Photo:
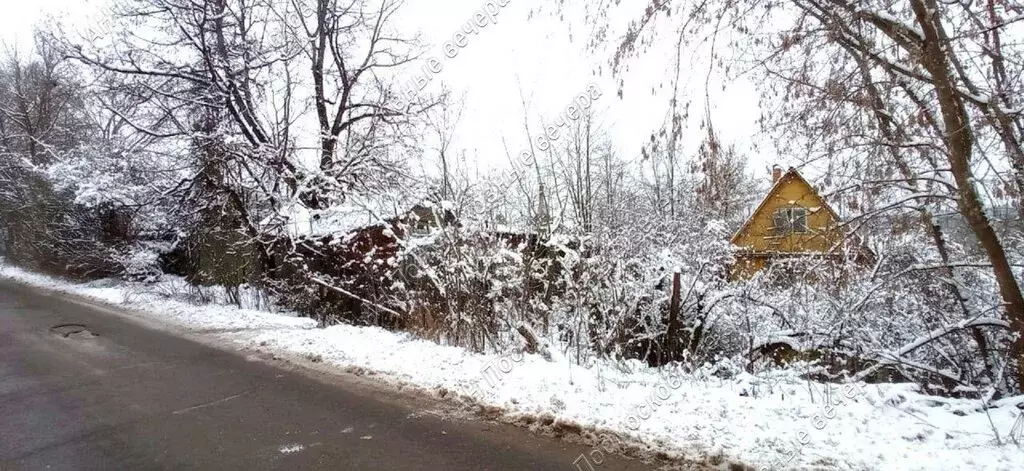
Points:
(672, 340)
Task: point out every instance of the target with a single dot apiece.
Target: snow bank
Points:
(771, 422)
(157, 302)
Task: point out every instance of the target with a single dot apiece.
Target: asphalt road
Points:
(124, 396)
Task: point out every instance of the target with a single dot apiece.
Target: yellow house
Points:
(792, 221)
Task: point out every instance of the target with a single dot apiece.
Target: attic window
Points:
(790, 221)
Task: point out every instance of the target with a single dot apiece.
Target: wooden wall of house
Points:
(822, 231)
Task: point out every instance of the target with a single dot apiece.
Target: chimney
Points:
(776, 174)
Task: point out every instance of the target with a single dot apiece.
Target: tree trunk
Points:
(893, 135)
(960, 142)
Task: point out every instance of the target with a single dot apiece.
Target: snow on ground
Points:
(162, 302)
(293, 448)
(771, 422)
(759, 421)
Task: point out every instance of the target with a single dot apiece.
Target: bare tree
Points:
(908, 107)
(443, 121)
(351, 47)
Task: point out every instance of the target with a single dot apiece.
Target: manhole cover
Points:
(71, 330)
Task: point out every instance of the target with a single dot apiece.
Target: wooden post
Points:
(672, 340)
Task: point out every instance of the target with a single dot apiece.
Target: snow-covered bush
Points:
(141, 261)
(894, 321)
(466, 288)
(476, 288)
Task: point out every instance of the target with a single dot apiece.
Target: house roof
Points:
(790, 175)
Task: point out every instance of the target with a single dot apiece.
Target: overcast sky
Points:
(536, 52)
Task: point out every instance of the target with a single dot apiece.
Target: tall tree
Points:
(945, 84)
(352, 46)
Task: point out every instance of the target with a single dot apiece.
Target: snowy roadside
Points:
(716, 416)
(163, 308)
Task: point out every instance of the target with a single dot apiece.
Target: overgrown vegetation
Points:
(183, 153)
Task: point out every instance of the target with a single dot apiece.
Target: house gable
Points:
(821, 234)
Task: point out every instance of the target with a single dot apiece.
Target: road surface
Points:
(119, 395)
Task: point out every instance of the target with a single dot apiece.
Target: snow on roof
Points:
(787, 338)
(343, 219)
(336, 220)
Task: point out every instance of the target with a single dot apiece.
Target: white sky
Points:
(19, 16)
(553, 71)
(535, 52)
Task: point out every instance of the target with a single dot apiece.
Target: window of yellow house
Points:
(790, 221)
